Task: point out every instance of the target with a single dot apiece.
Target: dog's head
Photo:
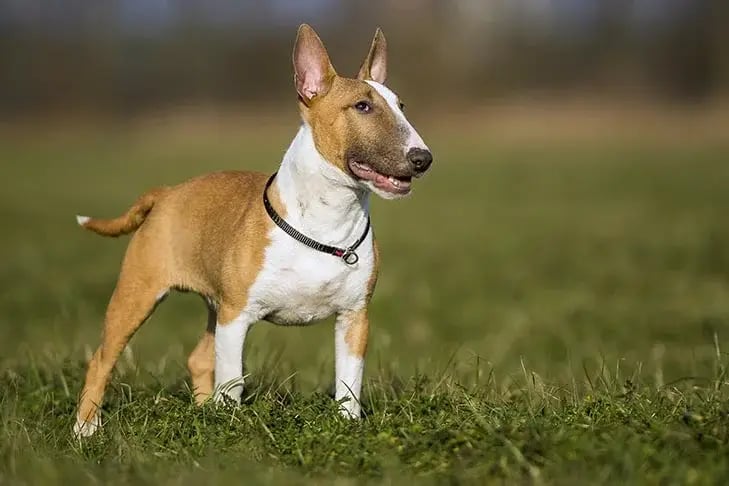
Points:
(358, 124)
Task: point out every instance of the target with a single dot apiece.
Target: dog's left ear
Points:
(374, 66)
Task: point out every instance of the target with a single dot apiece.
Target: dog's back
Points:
(188, 232)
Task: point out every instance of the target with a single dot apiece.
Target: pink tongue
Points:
(384, 182)
(381, 181)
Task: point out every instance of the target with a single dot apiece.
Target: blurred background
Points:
(580, 173)
(126, 57)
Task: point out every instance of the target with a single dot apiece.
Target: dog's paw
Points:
(83, 428)
(350, 408)
(229, 393)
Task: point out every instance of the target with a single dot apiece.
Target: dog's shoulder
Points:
(215, 189)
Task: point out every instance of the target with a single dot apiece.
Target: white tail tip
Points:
(82, 220)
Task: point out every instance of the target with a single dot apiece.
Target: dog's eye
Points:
(401, 105)
(363, 106)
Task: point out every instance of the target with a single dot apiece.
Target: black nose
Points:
(420, 158)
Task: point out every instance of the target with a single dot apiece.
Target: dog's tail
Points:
(126, 223)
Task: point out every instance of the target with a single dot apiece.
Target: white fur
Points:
(229, 340)
(349, 369)
(414, 140)
(298, 285)
(82, 220)
(86, 429)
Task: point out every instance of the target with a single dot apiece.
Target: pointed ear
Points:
(374, 66)
(313, 72)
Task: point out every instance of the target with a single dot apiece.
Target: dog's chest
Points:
(298, 285)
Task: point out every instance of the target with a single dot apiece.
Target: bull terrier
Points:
(290, 248)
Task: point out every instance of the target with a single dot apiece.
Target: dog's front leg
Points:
(229, 340)
(350, 339)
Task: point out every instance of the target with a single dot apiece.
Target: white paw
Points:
(229, 392)
(350, 409)
(86, 429)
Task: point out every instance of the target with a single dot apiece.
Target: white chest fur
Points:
(297, 284)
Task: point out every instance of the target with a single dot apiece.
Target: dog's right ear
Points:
(313, 72)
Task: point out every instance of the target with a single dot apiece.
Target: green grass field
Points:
(549, 314)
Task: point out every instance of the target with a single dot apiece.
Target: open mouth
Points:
(391, 184)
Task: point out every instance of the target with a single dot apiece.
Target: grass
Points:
(546, 314)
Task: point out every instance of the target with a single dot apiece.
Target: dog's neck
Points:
(320, 200)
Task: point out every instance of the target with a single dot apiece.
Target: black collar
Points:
(346, 254)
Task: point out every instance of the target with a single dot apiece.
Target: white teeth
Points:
(394, 181)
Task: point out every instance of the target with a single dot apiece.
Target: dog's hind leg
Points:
(134, 298)
(201, 362)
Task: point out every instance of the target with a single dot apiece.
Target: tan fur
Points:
(207, 235)
(358, 330)
(375, 271)
(339, 131)
(129, 221)
(335, 125)
(201, 362)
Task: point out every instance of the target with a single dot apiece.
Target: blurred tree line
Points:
(126, 56)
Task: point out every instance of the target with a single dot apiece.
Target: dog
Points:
(291, 249)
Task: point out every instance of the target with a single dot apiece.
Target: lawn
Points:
(546, 313)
